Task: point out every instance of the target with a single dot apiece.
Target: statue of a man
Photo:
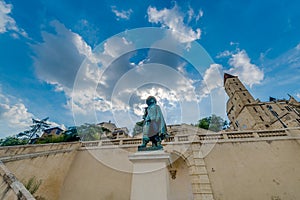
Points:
(154, 127)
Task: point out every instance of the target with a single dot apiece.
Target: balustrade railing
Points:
(193, 135)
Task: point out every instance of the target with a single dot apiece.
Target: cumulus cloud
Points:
(173, 19)
(15, 116)
(65, 60)
(58, 58)
(7, 23)
(212, 79)
(248, 73)
(241, 66)
(121, 14)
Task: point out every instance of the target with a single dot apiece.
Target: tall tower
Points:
(245, 113)
(239, 98)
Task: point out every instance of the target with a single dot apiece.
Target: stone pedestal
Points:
(150, 179)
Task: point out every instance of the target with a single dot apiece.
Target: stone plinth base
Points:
(150, 179)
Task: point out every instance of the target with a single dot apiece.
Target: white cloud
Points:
(247, 72)
(121, 14)
(200, 14)
(59, 56)
(298, 95)
(15, 116)
(59, 60)
(212, 79)
(224, 54)
(174, 20)
(7, 23)
(241, 66)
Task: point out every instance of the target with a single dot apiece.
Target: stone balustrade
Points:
(189, 135)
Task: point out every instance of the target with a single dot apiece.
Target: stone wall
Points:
(262, 164)
(10, 187)
(49, 163)
(102, 174)
(255, 170)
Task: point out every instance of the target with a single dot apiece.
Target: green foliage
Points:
(37, 127)
(12, 141)
(90, 132)
(32, 185)
(213, 123)
(68, 136)
(57, 139)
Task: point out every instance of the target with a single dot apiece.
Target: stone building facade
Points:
(247, 113)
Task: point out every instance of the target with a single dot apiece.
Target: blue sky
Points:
(79, 61)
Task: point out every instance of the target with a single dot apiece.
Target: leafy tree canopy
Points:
(89, 132)
(213, 123)
(12, 141)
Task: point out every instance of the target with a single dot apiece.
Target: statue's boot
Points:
(145, 142)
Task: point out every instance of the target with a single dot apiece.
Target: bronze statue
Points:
(154, 126)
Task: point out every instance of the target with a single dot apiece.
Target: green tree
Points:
(89, 132)
(213, 123)
(12, 141)
(37, 127)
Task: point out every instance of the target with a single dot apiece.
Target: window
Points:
(274, 113)
(298, 120)
(288, 108)
(254, 109)
(241, 89)
(244, 94)
(261, 118)
(248, 100)
(237, 123)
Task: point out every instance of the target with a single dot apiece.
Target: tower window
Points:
(254, 109)
(248, 100)
(274, 113)
(288, 108)
(237, 123)
(241, 89)
(261, 118)
(236, 84)
(244, 94)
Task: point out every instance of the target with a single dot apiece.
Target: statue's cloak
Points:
(154, 122)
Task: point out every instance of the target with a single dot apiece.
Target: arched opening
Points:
(180, 182)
